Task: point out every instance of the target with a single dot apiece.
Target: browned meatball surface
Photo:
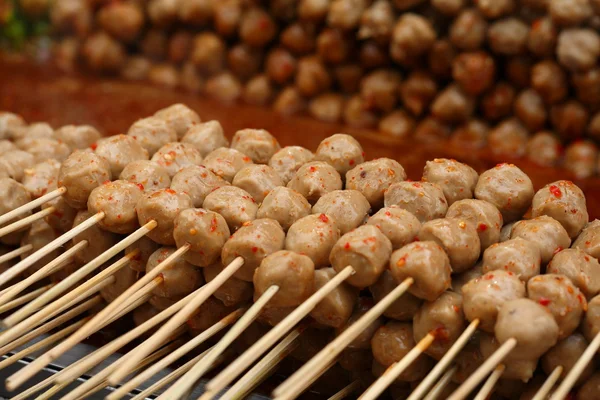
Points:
(120, 150)
(582, 269)
(335, 308)
(424, 200)
(81, 173)
(148, 175)
(341, 151)
(175, 156)
(235, 205)
(399, 225)
(180, 278)
(226, 162)
(117, 200)
(546, 232)
(372, 178)
(519, 256)
(234, 291)
(258, 180)
(315, 179)
(197, 182)
(313, 235)
(284, 205)
(258, 144)
(404, 308)
(288, 160)
(162, 206)
(484, 216)
(349, 208)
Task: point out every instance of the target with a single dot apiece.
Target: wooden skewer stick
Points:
(484, 369)
(31, 205)
(239, 365)
(441, 385)
(333, 349)
(110, 348)
(42, 272)
(187, 381)
(52, 324)
(390, 375)
(544, 391)
(47, 249)
(488, 386)
(22, 223)
(43, 316)
(24, 299)
(345, 392)
(297, 390)
(445, 361)
(67, 283)
(180, 352)
(182, 315)
(569, 381)
(15, 253)
(262, 369)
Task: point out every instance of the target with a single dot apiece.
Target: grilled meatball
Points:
(578, 49)
(175, 156)
(377, 22)
(498, 102)
(224, 87)
(458, 238)
(284, 205)
(135, 68)
(506, 187)
(288, 160)
(521, 369)
(235, 205)
(145, 247)
(274, 315)
(253, 241)
(367, 250)
(102, 53)
(402, 309)
(474, 71)
(259, 91)
(234, 291)
(118, 151)
(98, 239)
(563, 201)
(529, 107)
(257, 28)
(444, 319)
(418, 91)
(208, 53)
(147, 175)
(581, 269)
(313, 10)
(372, 178)
(468, 359)
(345, 14)
(36, 130)
(486, 219)
(391, 342)
(468, 30)
(313, 235)
(315, 179)
(293, 273)
(38, 235)
(533, 338)
(547, 233)
(581, 158)
(152, 133)
(14, 163)
(452, 105)
(341, 151)
(460, 280)
(196, 12)
(569, 12)
(542, 37)
(226, 162)
(544, 149)
(43, 148)
(208, 314)
(258, 180)
(362, 341)
(6, 146)
(399, 225)
(412, 37)
(357, 114)
(77, 136)
(124, 279)
(117, 200)
(244, 61)
(483, 296)
(8, 122)
(456, 179)
(258, 144)
(162, 13)
(179, 118)
(424, 200)
(206, 137)
(398, 124)
(123, 21)
(327, 107)
(519, 256)
(590, 327)
(349, 208)
(588, 239)
(81, 173)
(280, 65)
(590, 389)
(563, 299)
(509, 138)
(162, 206)
(205, 231)
(197, 182)
(63, 216)
(550, 81)
(336, 308)
(379, 89)
(508, 36)
(41, 178)
(566, 353)
(180, 278)
(299, 37)
(425, 262)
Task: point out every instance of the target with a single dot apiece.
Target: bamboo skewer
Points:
(182, 315)
(187, 381)
(22, 223)
(390, 375)
(299, 389)
(544, 391)
(32, 205)
(444, 362)
(15, 253)
(180, 352)
(242, 362)
(441, 385)
(294, 383)
(488, 386)
(24, 299)
(465, 389)
(345, 392)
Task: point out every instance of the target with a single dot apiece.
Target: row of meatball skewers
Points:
(295, 231)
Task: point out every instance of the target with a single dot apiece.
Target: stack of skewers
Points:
(250, 253)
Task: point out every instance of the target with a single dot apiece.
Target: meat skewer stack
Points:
(305, 241)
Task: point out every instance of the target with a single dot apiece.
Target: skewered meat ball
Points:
(258, 180)
(63, 216)
(205, 231)
(425, 262)
(175, 156)
(147, 175)
(206, 137)
(341, 151)
(399, 225)
(36, 130)
(336, 308)
(580, 268)
(197, 182)
(566, 353)
(6, 146)
(547, 233)
(288, 160)
(118, 151)
(348, 208)
(258, 144)
(179, 117)
(235, 205)
(484, 296)
(124, 279)
(78, 136)
(313, 235)
(590, 389)
(9, 121)
(123, 21)
(152, 133)
(469, 358)
(456, 179)
(208, 314)
(38, 235)
(226, 162)
(41, 178)
(363, 340)
(589, 239)
(284, 205)
(117, 199)
(145, 247)
(372, 178)
(43, 148)
(482, 215)
(590, 327)
(253, 242)
(162, 206)
(404, 308)
(81, 173)
(315, 179)
(99, 240)
(460, 280)
(517, 368)
(180, 278)
(424, 200)
(14, 163)
(519, 256)
(234, 291)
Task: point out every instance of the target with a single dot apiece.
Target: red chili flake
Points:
(489, 277)
(556, 192)
(557, 250)
(586, 258)
(544, 301)
(574, 211)
(482, 227)
(347, 246)
(254, 249)
(324, 218)
(456, 308)
(213, 224)
(416, 239)
(94, 146)
(170, 191)
(312, 168)
(441, 333)
(106, 182)
(500, 165)
(387, 213)
(416, 184)
(363, 154)
(247, 159)
(264, 23)
(118, 216)
(351, 162)
(363, 174)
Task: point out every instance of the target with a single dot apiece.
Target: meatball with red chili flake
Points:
(205, 231)
(546, 232)
(162, 206)
(117, 200)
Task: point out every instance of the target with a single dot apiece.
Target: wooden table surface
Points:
(40, 93)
